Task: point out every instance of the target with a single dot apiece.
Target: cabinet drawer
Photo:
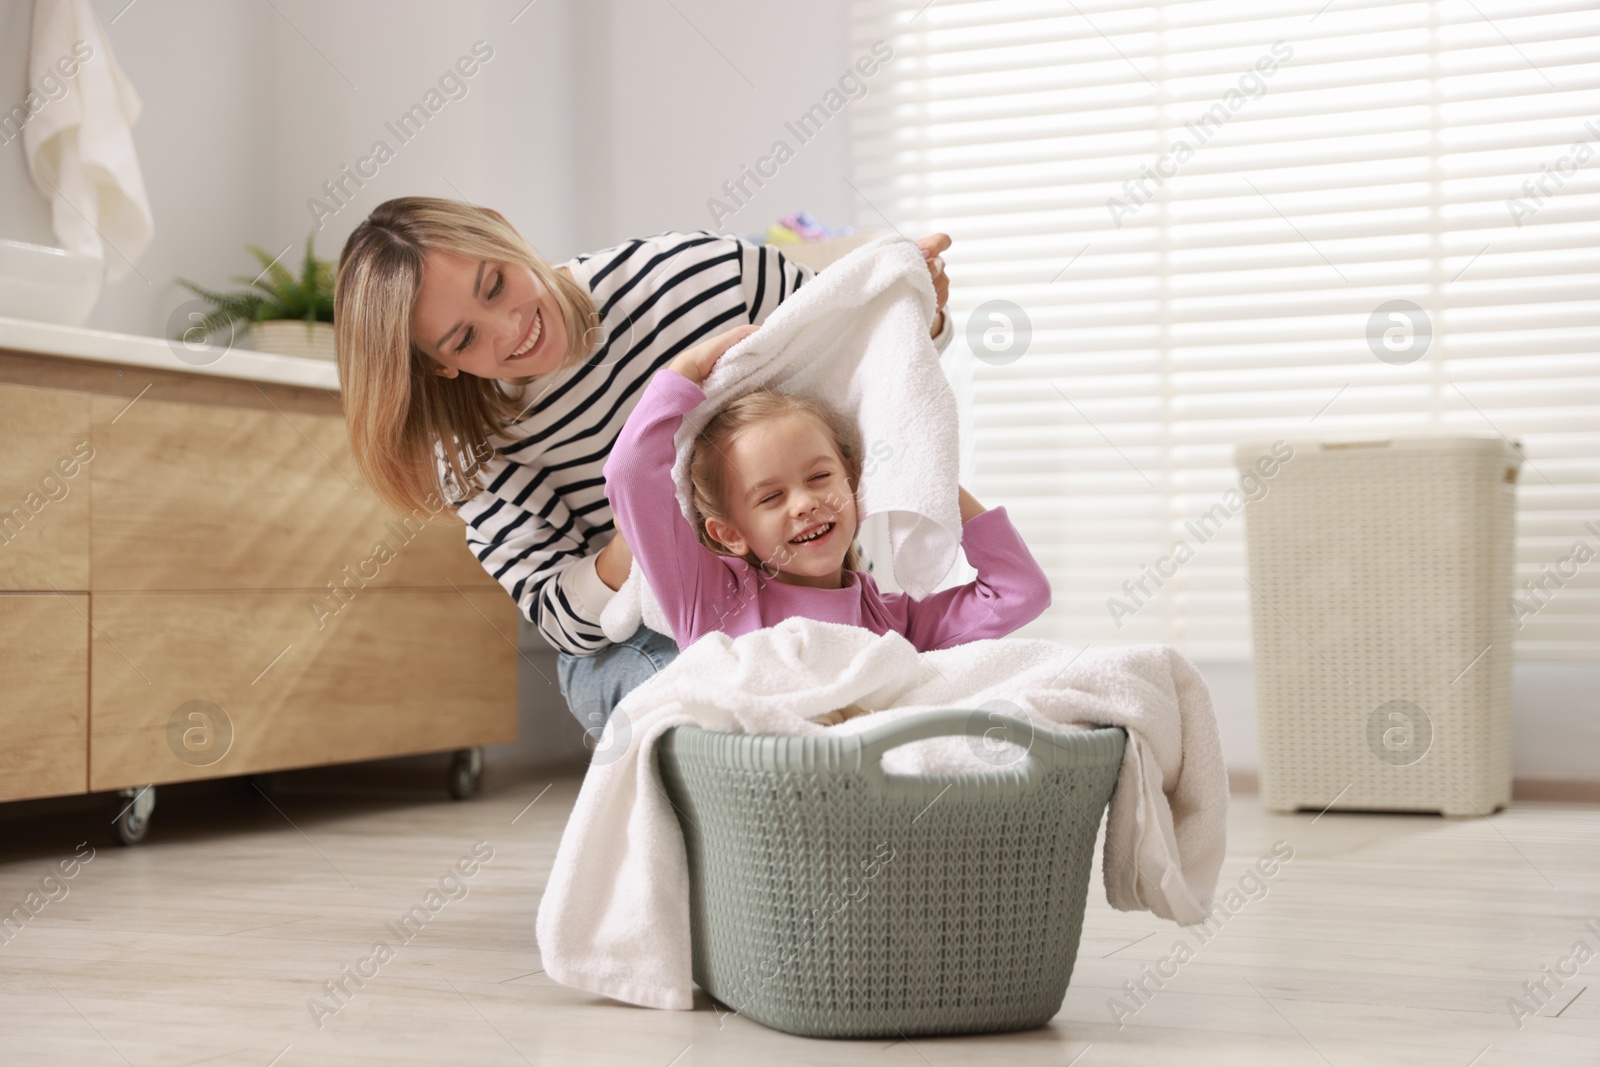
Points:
(45, 460)
(395, 672)
(44, 696)
(212, 496)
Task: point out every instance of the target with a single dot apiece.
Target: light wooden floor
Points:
(1385, 940)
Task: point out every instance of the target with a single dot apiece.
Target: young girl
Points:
(775, 502)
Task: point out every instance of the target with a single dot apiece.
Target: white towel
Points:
(615, 915)
(80, 148)
(633, 603)
(854, 338)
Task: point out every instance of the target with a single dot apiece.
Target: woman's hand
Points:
(695, 363)
(613, 562)
(931, 249)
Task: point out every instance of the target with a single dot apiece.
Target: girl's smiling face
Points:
(788, 499)
(484, 318)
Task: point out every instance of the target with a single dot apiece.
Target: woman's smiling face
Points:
(484, 318)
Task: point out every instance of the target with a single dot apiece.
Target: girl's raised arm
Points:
(1011, 589)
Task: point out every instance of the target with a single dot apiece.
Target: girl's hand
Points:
(931, 249)
(970, 508)
(695, 363)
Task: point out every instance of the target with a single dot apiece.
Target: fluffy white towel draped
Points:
(854, 338)
(615, 915)
(80, 147)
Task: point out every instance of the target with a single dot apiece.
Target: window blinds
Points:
(1217, 222)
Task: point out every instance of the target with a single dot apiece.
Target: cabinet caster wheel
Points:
(132, 820)
(466, 766)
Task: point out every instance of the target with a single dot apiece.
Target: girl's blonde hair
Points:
(397, 409)
(708, 471)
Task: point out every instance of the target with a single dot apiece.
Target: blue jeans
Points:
(595, 685)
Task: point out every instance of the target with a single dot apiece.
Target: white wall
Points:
(693, 90)
(506, 143)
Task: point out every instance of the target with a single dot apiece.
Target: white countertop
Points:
(133, 350)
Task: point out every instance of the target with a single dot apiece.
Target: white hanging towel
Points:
(80, 147)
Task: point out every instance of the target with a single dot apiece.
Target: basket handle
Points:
(946, 722)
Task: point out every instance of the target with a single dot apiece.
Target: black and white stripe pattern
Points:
(543, 508)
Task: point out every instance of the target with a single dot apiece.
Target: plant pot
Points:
(292, 337)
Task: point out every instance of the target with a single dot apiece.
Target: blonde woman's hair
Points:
(708, 469)
(397, 409)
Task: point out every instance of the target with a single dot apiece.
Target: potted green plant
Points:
(284, 314)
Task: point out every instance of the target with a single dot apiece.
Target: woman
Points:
(476, 374)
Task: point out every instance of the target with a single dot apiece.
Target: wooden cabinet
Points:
(194, 496)
(382, 678)
(45, 456)
(44, 694)
(196, 559)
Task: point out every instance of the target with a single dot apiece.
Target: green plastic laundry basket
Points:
(829, 899)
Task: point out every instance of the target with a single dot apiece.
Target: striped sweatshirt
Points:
(542, 516)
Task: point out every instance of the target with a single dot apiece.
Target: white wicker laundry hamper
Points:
(1380, 574)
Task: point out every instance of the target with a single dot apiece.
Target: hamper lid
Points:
(1246, 454)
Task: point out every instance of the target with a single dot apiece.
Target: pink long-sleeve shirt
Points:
(700, 591)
